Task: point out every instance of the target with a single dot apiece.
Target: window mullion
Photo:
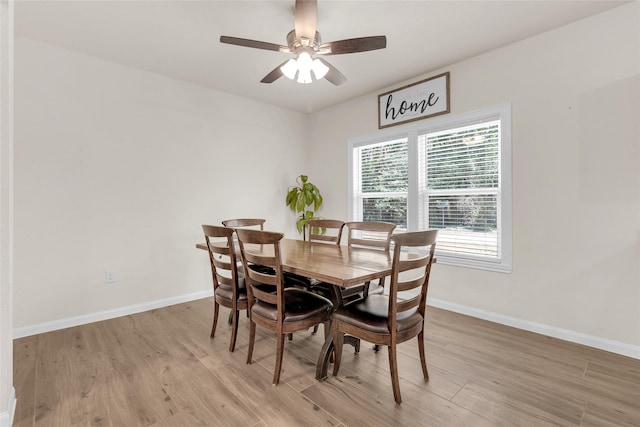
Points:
(413, 199)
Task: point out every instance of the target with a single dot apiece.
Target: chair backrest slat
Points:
(325, 230)
(264, 295)
(408, 304)
(263, 278)
(410, 284)
(244, 222)
(260, 259)
(416, 268)
(371, 234)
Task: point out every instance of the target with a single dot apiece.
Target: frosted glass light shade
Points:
(302, 67)
(319, 69)
(290, 68)
(304, 76)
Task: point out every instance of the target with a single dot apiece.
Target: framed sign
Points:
(426, 98)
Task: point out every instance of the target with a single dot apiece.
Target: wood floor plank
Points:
(296, 364)
(601, 413)
(360, 367)
(279, 405)
(526, 407)
(419, 407)
(161, 368)
(24, 368)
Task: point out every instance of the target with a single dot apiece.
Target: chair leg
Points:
(252, 338)
(338, 342)
(423, 359)
(290, 337)
(326, 327)
(230, 318)
(234, 330)
(216, 309)
(393, 367)
(279, 353)
(315, 329)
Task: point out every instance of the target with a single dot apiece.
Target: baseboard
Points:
(105, 315)
(6, 418)
(564, 334)
(550, 331)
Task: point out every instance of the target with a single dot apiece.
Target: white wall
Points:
(7, 393)
(575, 97)
(117, 168)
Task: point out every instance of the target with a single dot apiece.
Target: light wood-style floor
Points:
(160, 368)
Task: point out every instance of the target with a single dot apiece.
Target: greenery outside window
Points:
(451, 174)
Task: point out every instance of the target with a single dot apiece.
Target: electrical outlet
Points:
(109, 277)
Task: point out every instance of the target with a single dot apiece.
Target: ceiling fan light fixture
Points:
(290, 69)
(304, 76)
(304, 61)
(319, 69)
(305, 43)
(305, 65)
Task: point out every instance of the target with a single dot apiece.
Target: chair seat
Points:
(371, 314)
(299, 305)
(225, 293)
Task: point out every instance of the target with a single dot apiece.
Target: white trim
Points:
(108, 314)
(6, 418)
(617, 347)
(563, 334)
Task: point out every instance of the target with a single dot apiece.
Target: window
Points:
(451, 174)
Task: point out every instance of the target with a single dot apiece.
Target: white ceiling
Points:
(180, 39)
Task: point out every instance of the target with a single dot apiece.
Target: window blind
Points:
(459, 176)
(382, 182)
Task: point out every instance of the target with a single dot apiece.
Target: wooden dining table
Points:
(341, 266)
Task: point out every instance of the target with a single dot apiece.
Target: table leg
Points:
(327, 348)
(323, 358)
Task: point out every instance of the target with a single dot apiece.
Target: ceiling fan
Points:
(304, 41)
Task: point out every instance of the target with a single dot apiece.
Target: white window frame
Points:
(411, 131)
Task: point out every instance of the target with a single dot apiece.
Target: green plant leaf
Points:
(300, 197)
(292, 196)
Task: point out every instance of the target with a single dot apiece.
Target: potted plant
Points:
(304, 199)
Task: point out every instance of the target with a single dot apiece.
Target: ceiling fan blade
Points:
(306, 19)
(360, 44)
(251, 43)
(333, 75)
(273, 75)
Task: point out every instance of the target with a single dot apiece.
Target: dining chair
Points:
(252, 223)
(244, 222)
(328, 231)
(228, 283)
(397, 317)
(271, 305)
(371, 235)
(325, 230)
